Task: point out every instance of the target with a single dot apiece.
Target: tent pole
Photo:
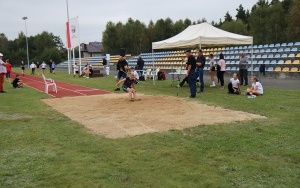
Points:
(153, 68)
(252, 60)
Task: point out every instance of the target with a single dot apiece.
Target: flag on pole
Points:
(68, 35)
(73, 33)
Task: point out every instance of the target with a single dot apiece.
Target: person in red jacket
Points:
(8, 70)
(2, 73)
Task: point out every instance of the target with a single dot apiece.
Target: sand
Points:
(114, 116)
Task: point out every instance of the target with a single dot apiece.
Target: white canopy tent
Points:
(200, 35)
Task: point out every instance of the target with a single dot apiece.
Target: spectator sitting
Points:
(234, 85)
(17, 83)
(256, 88)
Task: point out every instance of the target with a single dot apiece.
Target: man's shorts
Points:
(121, 75)
(8, 75)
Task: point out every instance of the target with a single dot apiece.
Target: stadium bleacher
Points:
(278, 57)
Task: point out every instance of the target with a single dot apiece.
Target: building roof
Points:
(92, 47)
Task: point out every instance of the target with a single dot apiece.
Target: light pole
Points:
(25, 18)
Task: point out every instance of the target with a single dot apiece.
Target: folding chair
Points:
(49, 82)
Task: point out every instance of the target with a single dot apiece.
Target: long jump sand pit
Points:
(114, 116)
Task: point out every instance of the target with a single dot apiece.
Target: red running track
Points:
(63, 89)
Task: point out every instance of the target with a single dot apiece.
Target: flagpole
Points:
(68, 50)
(79, 48)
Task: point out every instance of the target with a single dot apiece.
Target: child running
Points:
(128, 86)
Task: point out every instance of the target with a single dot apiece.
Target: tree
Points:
(228, 17)
(236, 26)
(293, 28)
(242, 14)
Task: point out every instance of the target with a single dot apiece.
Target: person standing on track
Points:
(212, 69)
(32, 66)
(104, 62)
(8, 70)
(191, 73)
(38, 67)
(2, 73)
(43, 65)
(53, 67)
(23, 68)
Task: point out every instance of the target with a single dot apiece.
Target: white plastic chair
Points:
(154, 73)
(147, 73)
(49, 82)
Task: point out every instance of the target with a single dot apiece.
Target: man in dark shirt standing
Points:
(104, 62)
(200, 66)
(140, 65)
(191, 74)
(122, 67)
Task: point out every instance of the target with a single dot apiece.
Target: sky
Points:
(51, 15)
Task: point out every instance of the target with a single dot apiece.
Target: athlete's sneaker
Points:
(118, 89)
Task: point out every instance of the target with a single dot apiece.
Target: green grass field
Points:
(40, 147)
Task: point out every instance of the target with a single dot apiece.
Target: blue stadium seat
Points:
(231, 62)
(277, 45)
(260, 46)
(233, 69)
(237, 62)
(267, 62)
(258, 56)
(294, 50)
(268, 50)
(262, 51)
(256, 69)
(227, 48)
(265, 56)
(287, 50)
(270, 56)
(247, 51)
(280, 50)
(240, 47)
(297, 44)
(256, 51)
(254, 62)
(236, 48)
(271, 45)
(284, 56)
(270, 69)
(280, 62)
(277, 56)
(274, 50)
(273, 62)
(255, 46)
(245, 47)
(228, 68)
(290, 44)
(266, 46)
(260, 62)
(236, 52)
(283, 44)
(237, 57)
(250, 69)
(291, 56)
(231, 48)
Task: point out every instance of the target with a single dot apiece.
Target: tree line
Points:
(42, 47)
(268, 22)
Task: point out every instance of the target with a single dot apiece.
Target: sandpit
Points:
(114, 116)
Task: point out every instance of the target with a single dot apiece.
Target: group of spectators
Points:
(36, 66)
(5, 70)
(195, 69)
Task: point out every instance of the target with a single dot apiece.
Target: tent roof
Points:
(202, 34)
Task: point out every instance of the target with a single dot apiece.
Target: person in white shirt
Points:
(136, 75)
(76, 70)
(32, 66)
(212, 70)
(234, 85)
(43, 65)
(221, 70)
(256, 88)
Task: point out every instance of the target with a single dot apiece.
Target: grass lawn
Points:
(40, 147)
